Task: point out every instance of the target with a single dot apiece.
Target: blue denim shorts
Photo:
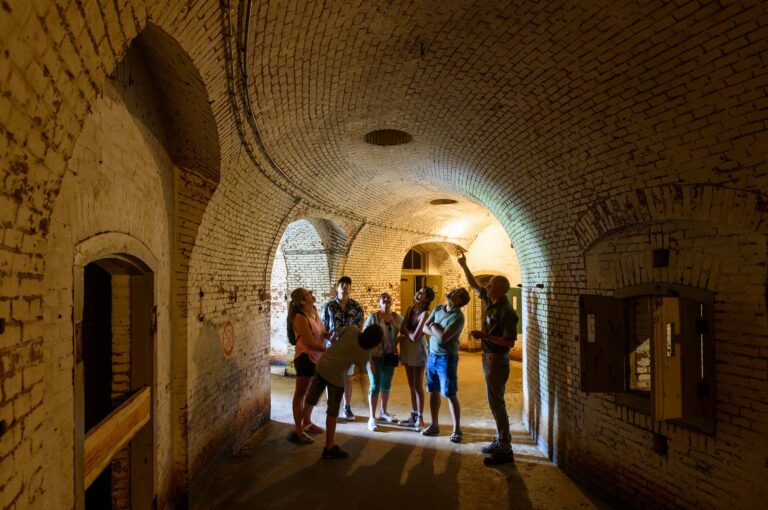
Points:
(442, 374)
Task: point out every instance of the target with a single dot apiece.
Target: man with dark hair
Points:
(444, 328)
(350, 348)
(498, 335)
(338, 313)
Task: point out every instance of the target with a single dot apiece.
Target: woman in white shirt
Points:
(384, 359)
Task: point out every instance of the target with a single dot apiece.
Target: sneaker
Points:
(348, 415)
(334, 453)
(419, 422)
(432, 430)
(386, 417)
(410, 421)
(372, 424)
(492, 447)
(499, 456)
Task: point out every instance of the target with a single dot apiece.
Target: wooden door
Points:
(435, 281)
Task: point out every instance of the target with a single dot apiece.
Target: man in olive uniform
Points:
(498, 335)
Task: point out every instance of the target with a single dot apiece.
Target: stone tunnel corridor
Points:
(172, 171)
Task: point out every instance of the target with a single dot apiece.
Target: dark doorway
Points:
(114, 376)
(97, 368)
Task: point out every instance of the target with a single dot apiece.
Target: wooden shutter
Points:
(667, 358)
(698, 362)
(602, 342)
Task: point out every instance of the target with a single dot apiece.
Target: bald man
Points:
(498, 335)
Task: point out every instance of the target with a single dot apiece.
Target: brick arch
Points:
(51, 115)
(44, 158)
(306, 257)
(106, 195)
(337, 233)
(698, 257)
(113, 243)
(375, 259)
(190, 126)
(307, 250)
(737, 208)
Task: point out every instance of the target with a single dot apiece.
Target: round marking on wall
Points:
(385, 137)
(228, 339)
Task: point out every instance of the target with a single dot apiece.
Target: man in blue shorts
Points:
(444, 328)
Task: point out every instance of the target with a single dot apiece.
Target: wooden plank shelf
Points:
(115, 431)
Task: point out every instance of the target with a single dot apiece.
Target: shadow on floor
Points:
(270, 472)
(393, 468)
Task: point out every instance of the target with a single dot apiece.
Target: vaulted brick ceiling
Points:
(324, 76)
(510, 106)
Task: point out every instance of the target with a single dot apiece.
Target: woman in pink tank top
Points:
(310, 337)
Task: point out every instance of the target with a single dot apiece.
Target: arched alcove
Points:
(307, 256)
(130, 176)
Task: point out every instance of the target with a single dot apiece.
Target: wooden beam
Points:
(115, 431)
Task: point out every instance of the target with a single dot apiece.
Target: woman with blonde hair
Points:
(307, 333)
(413, 352)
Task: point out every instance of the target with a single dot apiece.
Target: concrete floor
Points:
(392, 468)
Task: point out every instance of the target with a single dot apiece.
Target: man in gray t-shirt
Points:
(499, 332)
(444, 328)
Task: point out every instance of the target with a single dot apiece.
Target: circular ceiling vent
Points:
(385, 137)
(443, 201)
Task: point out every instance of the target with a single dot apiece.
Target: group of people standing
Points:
(329, 345)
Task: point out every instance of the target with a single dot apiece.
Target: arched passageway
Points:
(307, 256)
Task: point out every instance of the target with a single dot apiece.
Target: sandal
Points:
(302, 438)
(313, 429)
(432, 430)
(456, 436)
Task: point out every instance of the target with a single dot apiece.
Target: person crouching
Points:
(351, 348)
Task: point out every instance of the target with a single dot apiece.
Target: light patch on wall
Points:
(456, 229)
(491, 253)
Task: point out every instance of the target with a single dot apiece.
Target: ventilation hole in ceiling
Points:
(443, 201)
(386, 137)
